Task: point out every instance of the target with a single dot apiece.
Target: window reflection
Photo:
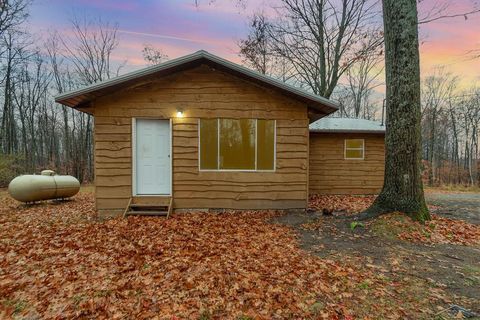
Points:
(237, 144)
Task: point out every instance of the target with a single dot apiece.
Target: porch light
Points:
(179, 113)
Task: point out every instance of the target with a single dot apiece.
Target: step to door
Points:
(147, 213)
(153, 200)
(149, 207)
(140, 206)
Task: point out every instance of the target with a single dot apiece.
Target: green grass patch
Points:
(365, 285)
(78, 298)
(205, 315)
(356, 224)
(472, 275)
(390, 228)
(17, 305)
(475, 270)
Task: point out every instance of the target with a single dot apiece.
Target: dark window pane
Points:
(265, 144)
(237, 144)
(354, 143)
(208, 144)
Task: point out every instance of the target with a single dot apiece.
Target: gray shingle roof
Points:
(346, 125)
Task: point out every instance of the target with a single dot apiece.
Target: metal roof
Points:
(347, 125)
(82, 97)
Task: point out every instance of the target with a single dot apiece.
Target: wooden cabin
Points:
(199, 132)
(347, 156)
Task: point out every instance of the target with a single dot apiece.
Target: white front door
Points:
(152, 157)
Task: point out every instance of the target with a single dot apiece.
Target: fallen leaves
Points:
(57, 262)
(437, 231)
(343, 204)
(443, 230)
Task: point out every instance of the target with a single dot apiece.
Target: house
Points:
(347, 156)
(199, 132)
(203, 131)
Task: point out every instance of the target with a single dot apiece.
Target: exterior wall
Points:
(330, 173)
(201, 93)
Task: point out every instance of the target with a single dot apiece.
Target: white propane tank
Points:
(46, 186)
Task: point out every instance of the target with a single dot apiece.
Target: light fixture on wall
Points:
(179, 113)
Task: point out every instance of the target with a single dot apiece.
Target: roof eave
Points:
(126, 77)
(86, 94)
(346, 131)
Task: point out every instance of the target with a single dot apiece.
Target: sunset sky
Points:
(178, 27)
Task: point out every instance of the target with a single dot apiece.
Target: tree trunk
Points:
(402, 190)
(431, 154)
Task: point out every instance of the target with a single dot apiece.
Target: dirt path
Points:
(452, 269)
(464, 206)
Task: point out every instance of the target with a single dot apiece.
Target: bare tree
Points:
(15, 46)
(362, 79)
(441, 9)
(35, 133)
(12, 14)
(153, 55)
(89, 52)
(29, 95)
(257, 52)
(63, 81)
(255, 49)
(437, 89)
(470, 113)
(90, 49)
(12, 46)
(323, 39)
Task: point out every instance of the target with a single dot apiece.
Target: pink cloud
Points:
(448, 43)
(179, 28)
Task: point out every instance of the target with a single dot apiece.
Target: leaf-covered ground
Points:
(340, 204)
(439, 260)
(438, 230)
(58, 262)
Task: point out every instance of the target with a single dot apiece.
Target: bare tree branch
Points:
(153, 55)
(322, 39)
(446, 16)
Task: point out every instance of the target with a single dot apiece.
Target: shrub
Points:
(10, 167)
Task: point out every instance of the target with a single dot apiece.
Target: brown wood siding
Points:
(331, 173)
(202, 93)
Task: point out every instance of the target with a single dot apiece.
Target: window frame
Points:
(345, 149)
(256, 146)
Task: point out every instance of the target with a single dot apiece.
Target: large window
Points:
(354, 149)
(237, 144)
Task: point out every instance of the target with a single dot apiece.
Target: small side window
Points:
(354, 149)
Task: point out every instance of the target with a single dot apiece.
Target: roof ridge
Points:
(77, 95)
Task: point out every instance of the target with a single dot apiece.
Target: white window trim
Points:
(218, 149)
(345, 150)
